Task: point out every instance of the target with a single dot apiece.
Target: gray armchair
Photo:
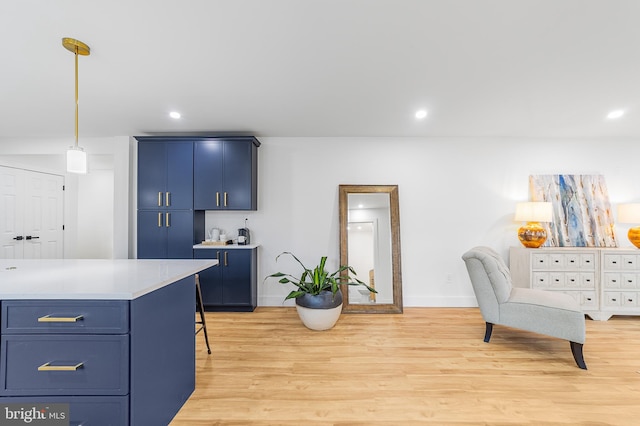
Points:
(545, 312)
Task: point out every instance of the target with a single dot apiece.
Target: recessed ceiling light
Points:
(421, 113)
(615, 114)
(174, 114)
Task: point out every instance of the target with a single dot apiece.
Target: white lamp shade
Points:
(629, 213)
(534, 211)
(76, 160)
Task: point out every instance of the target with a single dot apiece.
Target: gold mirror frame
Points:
(392, 190)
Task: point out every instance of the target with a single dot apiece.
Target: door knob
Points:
(19, 238)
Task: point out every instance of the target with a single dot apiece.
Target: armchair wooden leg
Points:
(487, 332)
(576, 350)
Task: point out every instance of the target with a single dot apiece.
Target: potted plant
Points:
(317, 294)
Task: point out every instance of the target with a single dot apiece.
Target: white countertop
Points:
(119, 279)
(226, 247)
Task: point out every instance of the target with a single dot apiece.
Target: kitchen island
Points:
(115, 339)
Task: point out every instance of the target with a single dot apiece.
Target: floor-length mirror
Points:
(370, 243)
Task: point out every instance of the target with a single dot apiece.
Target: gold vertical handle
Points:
(167, 199)
(217, 199)
(218, 257)
(159, 220)
(167, 220)
(159, 199)
(225, 199)
(48, 367)
(225, 258)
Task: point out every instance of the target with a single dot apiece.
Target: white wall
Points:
(454, 194)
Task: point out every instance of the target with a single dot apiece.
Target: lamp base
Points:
(532, 235)
(634, 236)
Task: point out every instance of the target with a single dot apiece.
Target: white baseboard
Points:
(420, 302)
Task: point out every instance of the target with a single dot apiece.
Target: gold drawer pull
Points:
(49, 318)
(47, 367)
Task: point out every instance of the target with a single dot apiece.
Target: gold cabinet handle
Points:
(48, 367)
(159, 220)
(225, 199)
(167, 199)
(159, 199)
(49, 318)
(217, 199)
(225, 258)
(218, 257)
(167, 221)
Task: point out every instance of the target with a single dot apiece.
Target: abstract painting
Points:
(581, 210)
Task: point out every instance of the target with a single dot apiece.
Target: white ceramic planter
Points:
(319, 319)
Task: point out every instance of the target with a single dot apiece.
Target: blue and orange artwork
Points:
(582, 214)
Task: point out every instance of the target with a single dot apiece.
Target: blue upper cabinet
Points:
(165, 174)
(225, 174)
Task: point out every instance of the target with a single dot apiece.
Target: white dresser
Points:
(604, 281)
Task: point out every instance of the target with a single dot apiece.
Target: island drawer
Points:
(65, 316)
(83, 410)
(64, 365)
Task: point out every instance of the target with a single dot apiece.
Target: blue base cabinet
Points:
(115, 362)
(232, 285)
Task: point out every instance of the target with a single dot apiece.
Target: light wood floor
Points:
(426, 366)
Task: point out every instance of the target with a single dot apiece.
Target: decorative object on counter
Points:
(223, 237)
(214, 234)
(533, 235)
(630, 213)
(243, 235)
(317, 294)
(582, 214)
(76, 156)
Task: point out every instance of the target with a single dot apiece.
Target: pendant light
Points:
(76, 156)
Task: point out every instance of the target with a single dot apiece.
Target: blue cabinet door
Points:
(152, 158)
(179, 227)
(225, 174)
(179, 176)
(207, 175)
(152, 235)
(238, 175)
(237, 282)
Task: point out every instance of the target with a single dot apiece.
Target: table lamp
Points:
(533, 235)
(630, 213)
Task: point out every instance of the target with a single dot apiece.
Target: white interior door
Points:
(31, 214)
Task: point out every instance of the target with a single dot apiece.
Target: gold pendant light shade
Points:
(76, 156)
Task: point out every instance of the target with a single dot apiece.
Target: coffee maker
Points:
(243, 235)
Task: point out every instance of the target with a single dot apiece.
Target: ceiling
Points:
(311, 68)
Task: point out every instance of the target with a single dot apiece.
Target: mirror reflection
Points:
(370, 243)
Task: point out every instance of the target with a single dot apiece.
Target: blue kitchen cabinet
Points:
(165, 174)
(165, 198)
(225, 173)
(165, 234)
(232, 284)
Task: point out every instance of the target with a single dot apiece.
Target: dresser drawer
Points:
(64, 365)
(61, 317)
(83, 410)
